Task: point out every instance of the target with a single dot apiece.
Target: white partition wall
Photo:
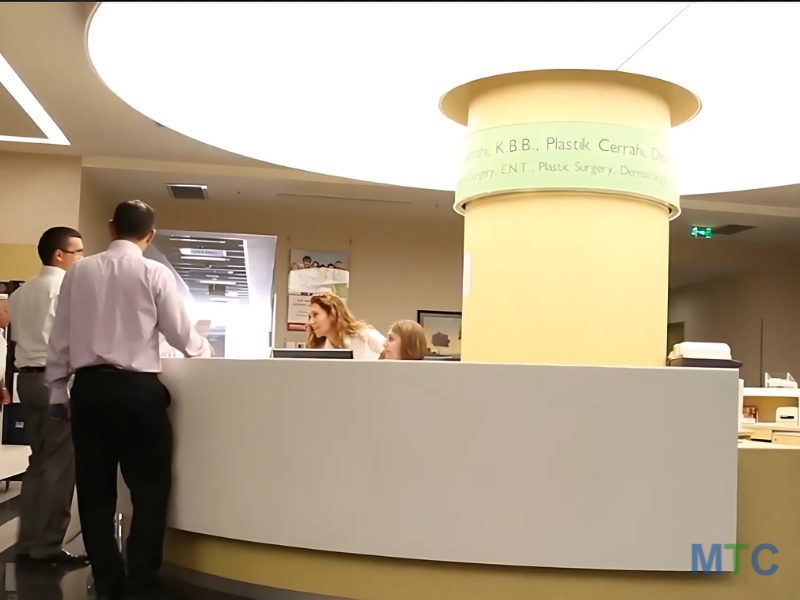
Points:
(557, 466)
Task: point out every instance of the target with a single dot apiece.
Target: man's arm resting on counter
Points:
(58, 369)
(173, 321)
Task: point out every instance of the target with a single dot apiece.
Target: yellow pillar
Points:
(567, 195)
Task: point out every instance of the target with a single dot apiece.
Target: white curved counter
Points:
(559, 466)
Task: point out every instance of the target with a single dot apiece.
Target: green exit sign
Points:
(701, 232)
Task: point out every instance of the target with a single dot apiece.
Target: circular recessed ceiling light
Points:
(352, 89)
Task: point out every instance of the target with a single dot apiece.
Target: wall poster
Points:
(312, 272)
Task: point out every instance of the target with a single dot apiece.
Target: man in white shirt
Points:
(111, 310)
(48, 484)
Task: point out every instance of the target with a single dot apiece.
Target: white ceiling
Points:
(128, 156)
(45, 45)
(359, 99)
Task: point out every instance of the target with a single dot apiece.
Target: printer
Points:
(702, 354)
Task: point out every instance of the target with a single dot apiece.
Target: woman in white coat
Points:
(331, 325)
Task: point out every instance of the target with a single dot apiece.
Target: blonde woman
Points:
(330, 325)
(406, 341)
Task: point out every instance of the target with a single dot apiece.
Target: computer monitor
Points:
(450, 358)
(312, 353)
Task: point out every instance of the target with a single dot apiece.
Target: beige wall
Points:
(37, 191)
(401, 264)
(95, 212)
(18, 262)
(724, 310)
(731, 255)
(398, 264)
(731, 310)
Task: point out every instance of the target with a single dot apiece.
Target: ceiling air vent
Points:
(731, 229)
(188, 191)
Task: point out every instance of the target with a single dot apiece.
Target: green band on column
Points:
(567, 156)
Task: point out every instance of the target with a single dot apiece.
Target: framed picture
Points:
(749, 414)
(442, 331)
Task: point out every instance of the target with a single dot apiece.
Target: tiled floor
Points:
(23, 581)
(26, 581)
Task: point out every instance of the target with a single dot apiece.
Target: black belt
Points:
(111, 369)
(101, 368)
(31, 369)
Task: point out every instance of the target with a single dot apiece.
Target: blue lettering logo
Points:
(701, 562)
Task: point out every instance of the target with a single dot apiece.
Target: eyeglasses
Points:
(71, 251)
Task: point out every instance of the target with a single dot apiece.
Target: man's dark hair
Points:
(53, 239)
(133, 220)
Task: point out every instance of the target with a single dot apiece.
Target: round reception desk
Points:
(390, 480)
